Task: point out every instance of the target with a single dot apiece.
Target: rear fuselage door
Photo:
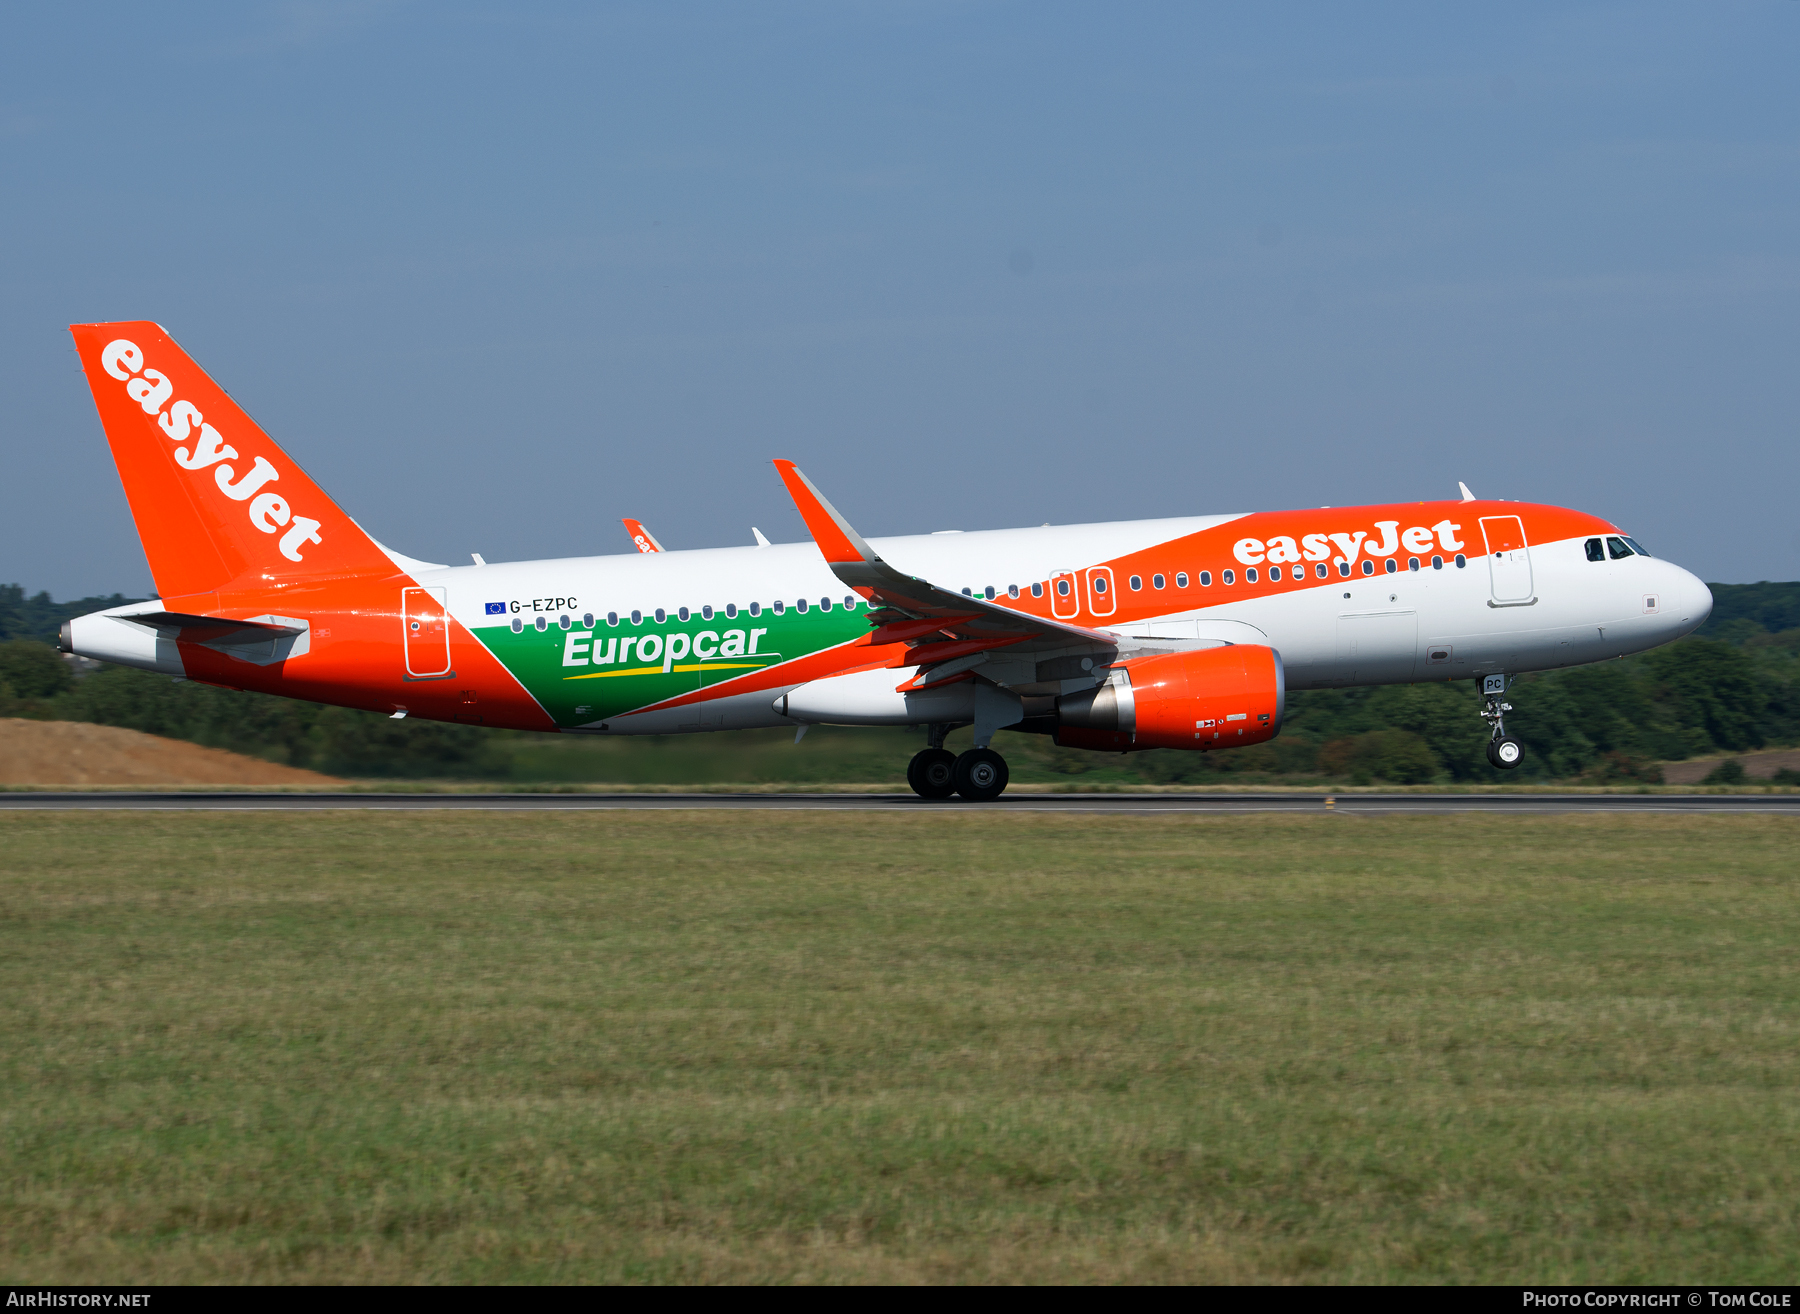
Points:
(1509, 558)
(426, 630)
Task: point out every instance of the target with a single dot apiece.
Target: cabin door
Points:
(1509, 559)
(426, 633)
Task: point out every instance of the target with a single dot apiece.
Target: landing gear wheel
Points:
(932, 773)
(981, 775)
(1505, 752)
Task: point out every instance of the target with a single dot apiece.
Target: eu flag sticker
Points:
(496, 609)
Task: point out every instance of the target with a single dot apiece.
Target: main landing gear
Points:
(1503, 750)
(932, 773)
(979, 775)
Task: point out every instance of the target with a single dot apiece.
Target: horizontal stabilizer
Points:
(149, 635)
(175, 620)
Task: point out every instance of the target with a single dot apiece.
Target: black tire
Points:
(1506, 753)
(981, 775)
(932, 773)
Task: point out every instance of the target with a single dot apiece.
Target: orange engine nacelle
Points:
(1215, 698)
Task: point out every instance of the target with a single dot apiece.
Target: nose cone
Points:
(1686, 599)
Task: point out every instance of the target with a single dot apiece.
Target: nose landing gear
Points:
(1503, 750)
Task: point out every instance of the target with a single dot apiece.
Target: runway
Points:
(1103, 804)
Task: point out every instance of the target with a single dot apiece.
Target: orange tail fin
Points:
(214, 498)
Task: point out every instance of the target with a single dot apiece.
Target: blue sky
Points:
(499, 275)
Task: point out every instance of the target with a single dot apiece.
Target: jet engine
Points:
(1226, 697)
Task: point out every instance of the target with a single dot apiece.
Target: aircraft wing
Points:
(641, 538)
(968, 628)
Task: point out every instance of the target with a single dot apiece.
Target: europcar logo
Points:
(150, 389)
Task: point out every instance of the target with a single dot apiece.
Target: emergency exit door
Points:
(426, 633)
(1509, 558)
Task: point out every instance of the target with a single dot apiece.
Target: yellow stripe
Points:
(657, 670)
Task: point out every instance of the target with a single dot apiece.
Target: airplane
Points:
(1182, 633)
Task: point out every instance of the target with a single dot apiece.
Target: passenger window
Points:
(587, 620)
(1062, 588)
(1012, 590)
(1274, 574)
(1412, 563)
(1344, 569)
(1320, 570)
(824, 604)
(1461, 561)
(612, 618)
(1229, 577)
(1637, 547)
(756, 609)
(1250, 575)
(989, 592)
(661, 615)
(563, 620)
(518, 625)
(1099, 584)
(799, 605)
(1206, 579)
(1617, 547)
(731, 611)
(849, 602)
(1595, 551)
(1437, 563)
(1136, 582)
(778, 607)
(637, 618)
(1180, 579)
(1158, 582)
(1037, 590)
(1392, 565)
(968, 593)
(1368, 566)
(706, 613)
(683, 613)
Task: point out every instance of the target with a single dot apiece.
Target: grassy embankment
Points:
(764, 1046)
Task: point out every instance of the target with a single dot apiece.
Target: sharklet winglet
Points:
(836, 538)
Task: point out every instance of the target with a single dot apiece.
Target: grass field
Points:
(744, 1047)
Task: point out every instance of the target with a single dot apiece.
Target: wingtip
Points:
(833, 534)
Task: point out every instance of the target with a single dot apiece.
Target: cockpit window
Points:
(1617, 547)
(1637, 547)
(1595, 550)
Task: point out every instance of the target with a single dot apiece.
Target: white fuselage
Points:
(1426, 625)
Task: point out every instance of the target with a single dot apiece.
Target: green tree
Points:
(33, 669)
(1713, 687)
